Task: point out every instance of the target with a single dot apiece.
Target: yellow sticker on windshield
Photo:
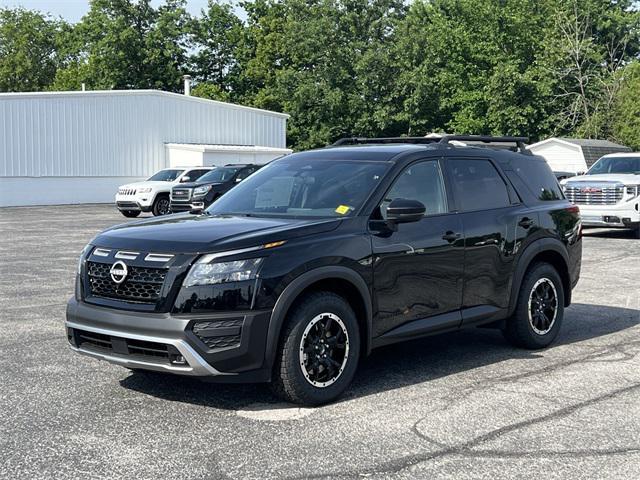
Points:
(342, 209)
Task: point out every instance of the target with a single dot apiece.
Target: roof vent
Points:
(187, 85)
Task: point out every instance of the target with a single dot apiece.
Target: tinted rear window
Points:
(478, 185)
(539, 178)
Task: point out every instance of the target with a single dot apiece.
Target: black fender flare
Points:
(525, 259)
(297, 286)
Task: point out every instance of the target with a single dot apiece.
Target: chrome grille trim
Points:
(101, 252)
(596, 194)
(157, 257)
(186, 197)
(127, 255)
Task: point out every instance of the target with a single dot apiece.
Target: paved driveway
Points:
(463, 405)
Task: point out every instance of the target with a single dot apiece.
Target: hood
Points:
(186, 233)
(626, 178)
(154, 185)
(197, 184)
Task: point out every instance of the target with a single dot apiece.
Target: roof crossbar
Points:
(520, 142)
(384, 140)
(445, 140)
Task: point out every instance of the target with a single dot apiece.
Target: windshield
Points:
(615, 165)
(219, 175)
(303, 188)
(165, 176)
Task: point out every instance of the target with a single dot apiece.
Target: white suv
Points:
(152, 195)
(609, 193)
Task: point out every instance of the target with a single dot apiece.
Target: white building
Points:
(574, 155)
(78, 147)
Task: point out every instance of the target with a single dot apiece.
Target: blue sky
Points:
(73, 10)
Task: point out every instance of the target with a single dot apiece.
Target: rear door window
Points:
(477, 185)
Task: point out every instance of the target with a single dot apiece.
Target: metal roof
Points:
(593, 142)
(102, 93)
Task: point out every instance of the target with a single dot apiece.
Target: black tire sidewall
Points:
(521, 329)
(296, 387)
(156, 204)
(130, 213)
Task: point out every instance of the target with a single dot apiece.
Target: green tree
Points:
(626, 108)
(28, 50)
(326, 62)
(471, 67)
(128, 44)
(588, 43)
(216, 35)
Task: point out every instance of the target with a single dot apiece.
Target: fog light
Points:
(178, 360)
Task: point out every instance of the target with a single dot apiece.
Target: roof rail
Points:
(519, 142)
(383, 140)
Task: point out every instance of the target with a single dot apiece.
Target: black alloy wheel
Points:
(324, 349)
(539, 310)
(161, 206)
(319, 350)
(543, 306)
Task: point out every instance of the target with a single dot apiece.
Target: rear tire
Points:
(318, 352)
(130, 213)
(161, 206)
(540, 309)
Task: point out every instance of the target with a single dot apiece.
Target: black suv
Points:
(199, 195)
(321, 256)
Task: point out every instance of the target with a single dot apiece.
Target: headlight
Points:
(633, 190)
(84, 251)
(201, 190)
(204, 273)
(145, 190)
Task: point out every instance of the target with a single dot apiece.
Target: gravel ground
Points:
(463, 405)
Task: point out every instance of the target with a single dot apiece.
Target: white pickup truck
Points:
(609, 193)
(152, 195)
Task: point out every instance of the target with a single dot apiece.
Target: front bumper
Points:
(173, 343)
(625, 215)
(186, 207)
(134, 202)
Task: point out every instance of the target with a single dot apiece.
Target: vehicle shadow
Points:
(400, 365)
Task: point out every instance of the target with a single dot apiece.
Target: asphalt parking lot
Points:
(463, 405)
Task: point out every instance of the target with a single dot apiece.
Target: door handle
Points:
(525, 222)
(450, 236)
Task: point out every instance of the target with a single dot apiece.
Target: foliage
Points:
(356, 67)
(28, 53)
(626, 110)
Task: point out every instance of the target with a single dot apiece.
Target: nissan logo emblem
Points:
(118, 272)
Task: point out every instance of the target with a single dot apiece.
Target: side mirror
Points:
(185, 179)
(401, 210)
(238, 180)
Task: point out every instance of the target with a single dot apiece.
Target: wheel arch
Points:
(546, 250)
(340, 280)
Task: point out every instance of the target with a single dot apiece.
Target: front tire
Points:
(319, 350)
(161, 206)
(536, 321)
(130, 213)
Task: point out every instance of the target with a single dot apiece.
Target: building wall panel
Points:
(116, 134)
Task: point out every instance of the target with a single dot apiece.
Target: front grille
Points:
(141, 285)
(126, 191)
(593, 195)
(220, 334)
(181, 194)
(121, 346)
